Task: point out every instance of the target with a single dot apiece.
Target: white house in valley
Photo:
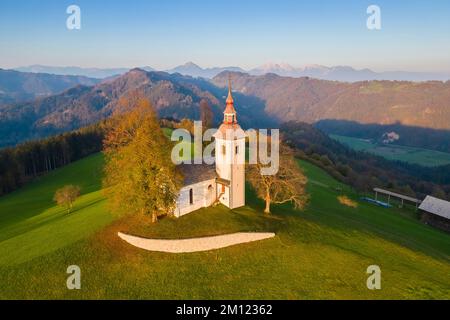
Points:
(224, 182)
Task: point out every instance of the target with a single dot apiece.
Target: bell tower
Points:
(230, 157)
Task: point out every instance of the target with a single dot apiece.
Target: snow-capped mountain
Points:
(336, 73)
(344, 73)
(193, 70)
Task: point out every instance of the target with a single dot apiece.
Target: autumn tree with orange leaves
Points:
(139, 174)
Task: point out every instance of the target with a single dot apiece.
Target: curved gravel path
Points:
(195, 244)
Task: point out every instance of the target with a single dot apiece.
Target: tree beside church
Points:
(287, 185)
(139, 174)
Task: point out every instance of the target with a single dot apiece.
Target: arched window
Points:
(224, 149)
(191, 196)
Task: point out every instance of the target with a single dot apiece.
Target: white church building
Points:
(224, 182)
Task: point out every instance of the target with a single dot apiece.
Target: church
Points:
(207, 185)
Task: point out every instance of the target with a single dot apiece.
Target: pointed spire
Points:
(230, 112)
(230, 96)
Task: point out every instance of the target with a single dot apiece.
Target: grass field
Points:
(322, 252)
(423, 157)
(30, 223)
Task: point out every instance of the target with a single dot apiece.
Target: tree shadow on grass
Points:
(379, 222)
(325, 211)
(62, 214)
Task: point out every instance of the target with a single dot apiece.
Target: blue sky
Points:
(415, 35)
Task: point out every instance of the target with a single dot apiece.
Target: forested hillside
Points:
(27, 161)
(404, 135)
(173, 96)
(424, 104)
(364, 171)
(18, 87)
(262, 101)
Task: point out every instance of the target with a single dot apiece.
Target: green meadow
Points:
(319, 253)
(423, 157)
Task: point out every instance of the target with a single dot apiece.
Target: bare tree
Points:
(206, 114)
(66, 196)
(287, 185)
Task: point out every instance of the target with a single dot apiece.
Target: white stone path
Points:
(195, 244)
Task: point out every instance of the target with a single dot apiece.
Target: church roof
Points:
(230, 124)
(236, 132)
(229, 109)
(194, 173)
(230, 99)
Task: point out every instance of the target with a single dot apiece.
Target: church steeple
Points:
(230, 157)
(230, 112)
(230, 96)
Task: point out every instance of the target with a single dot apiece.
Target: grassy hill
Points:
(322, 252)
(30, 223)
(420, 156)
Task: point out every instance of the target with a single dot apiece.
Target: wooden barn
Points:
(436, 213)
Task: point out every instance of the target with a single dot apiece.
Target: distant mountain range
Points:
(345, 73)
(172, 95)
(98, 73)
(424, 104)
(22, 86)
(261, 101)
(193, 70)
(337, 73)
(188, 69)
